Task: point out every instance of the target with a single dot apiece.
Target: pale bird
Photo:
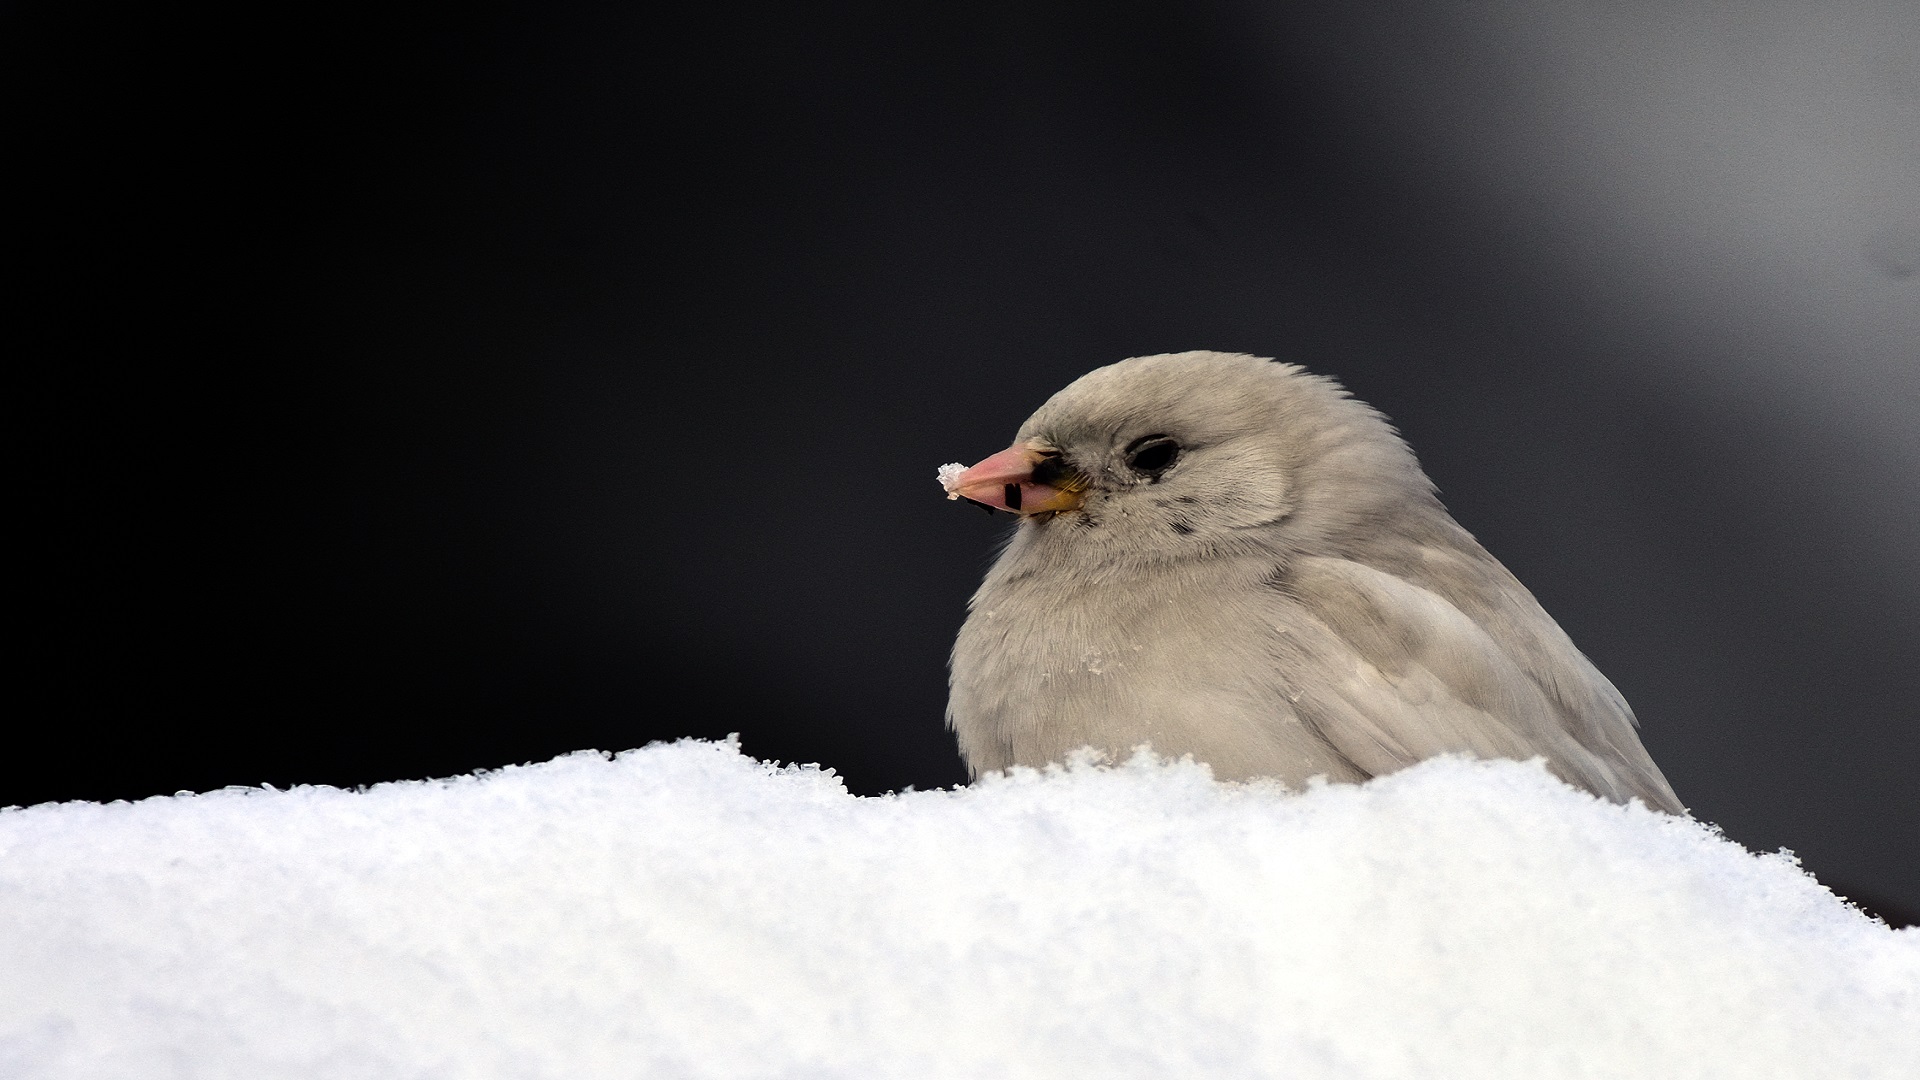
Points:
(1228, 557)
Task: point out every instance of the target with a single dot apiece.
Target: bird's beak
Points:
(1007, 481)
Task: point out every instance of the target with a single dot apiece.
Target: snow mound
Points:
(686, 911)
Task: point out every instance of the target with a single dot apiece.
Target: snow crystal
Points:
(686, 911)
(949, 473)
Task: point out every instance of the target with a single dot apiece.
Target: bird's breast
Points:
(1186, 662)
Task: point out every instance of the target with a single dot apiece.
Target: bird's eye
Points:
(1152, 453)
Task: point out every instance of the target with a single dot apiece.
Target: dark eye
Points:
(1152, 453)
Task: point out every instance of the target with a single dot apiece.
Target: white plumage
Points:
(1224, 556)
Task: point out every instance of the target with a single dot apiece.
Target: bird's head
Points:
(1160, 456)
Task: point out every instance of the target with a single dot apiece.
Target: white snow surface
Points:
(686, 911)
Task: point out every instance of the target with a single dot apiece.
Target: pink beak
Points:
(1005, 482)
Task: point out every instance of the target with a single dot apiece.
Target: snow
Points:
(686, 911)
(949, 475)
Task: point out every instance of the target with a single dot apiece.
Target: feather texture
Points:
(1288, 598)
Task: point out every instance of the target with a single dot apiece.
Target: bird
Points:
(1230, 557)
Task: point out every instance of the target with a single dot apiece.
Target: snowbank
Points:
(685, 911)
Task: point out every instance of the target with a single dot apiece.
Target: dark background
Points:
(411, 391)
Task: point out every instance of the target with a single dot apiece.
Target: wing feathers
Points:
(1409, 675)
